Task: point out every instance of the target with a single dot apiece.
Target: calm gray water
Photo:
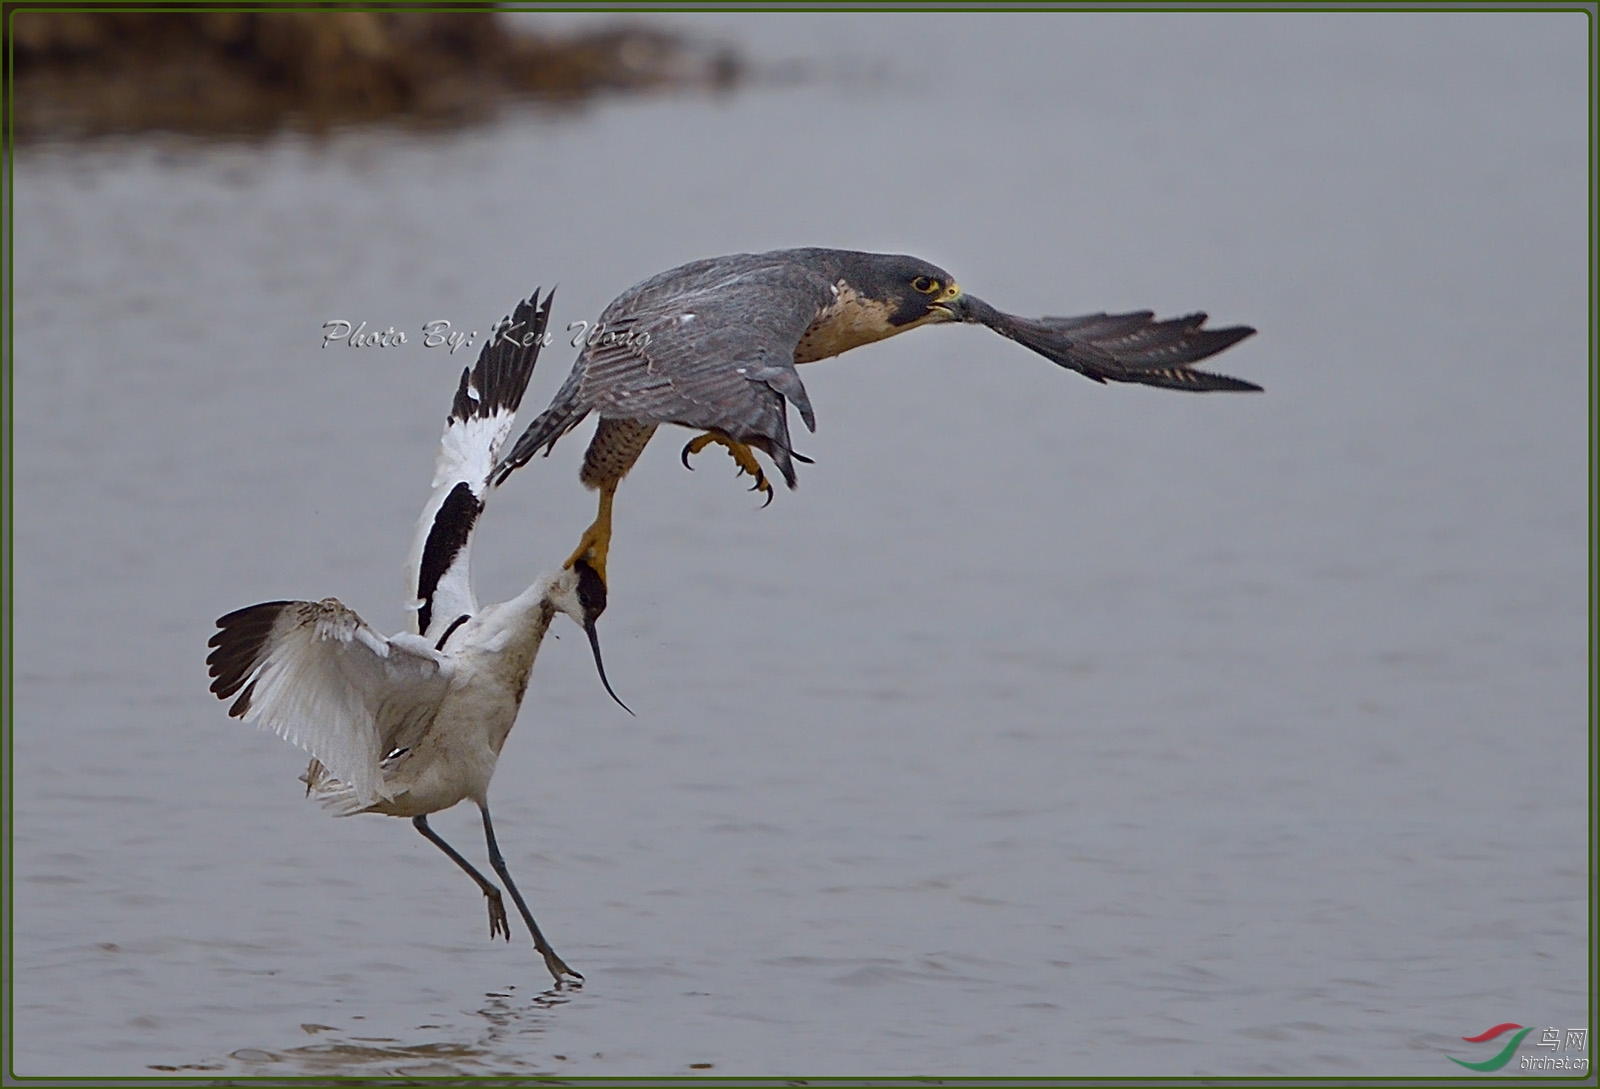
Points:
(1048, 728)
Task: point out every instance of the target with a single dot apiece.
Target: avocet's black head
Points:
(592, 599)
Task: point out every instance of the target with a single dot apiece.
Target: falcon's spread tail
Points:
(565, 413)
(1131, 347)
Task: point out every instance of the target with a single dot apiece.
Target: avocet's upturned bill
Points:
(411, 724)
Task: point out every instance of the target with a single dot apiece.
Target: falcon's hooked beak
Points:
(951, 305)
(970, 308)
(592, 596)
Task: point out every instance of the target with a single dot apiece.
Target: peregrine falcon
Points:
(713, 345)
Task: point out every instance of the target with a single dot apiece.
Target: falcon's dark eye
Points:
(926, 284)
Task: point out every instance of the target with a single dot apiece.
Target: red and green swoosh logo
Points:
(1505, 1053)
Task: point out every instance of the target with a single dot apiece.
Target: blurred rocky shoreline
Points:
(82, 74)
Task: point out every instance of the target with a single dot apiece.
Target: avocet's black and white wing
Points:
(315, 674)
(439, 571)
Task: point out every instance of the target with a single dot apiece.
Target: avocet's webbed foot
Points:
(742, 455)
(498, 924)
(558, 967)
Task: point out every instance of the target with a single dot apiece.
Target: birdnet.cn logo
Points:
(1568, 1050)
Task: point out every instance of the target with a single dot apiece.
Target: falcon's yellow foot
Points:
(742, 456)
(594, 546)
(592, 549)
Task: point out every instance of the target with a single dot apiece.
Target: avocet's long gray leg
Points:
(498, 924)
(557, 966)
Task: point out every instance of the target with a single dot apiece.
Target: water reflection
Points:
(505, 1026)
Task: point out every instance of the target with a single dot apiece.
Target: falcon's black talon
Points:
(683, 456)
